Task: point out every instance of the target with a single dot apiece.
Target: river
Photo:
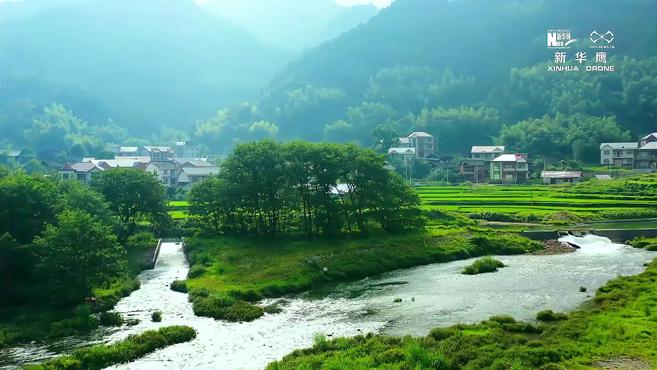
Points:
(432, 295)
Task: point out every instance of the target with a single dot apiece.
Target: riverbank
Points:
(618, 326)
(104, 355)
(26, 323)
(226, 273)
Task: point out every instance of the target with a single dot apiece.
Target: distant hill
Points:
(294, 25)
(479, 38)
(142, 65)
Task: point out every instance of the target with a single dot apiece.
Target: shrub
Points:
(156, 316)
(224, 307)
(179, 286)
(130, 349)
(582, 289)
(196, 271)
(503, 319)
(549, 315)
(272, 309)
(644, 243)
(483, 265)
(111, 319)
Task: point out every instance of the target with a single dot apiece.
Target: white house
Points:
(79, 171)
(618, 154)
(188, 176)
(424, 145)
(509, 169)
(561, 177)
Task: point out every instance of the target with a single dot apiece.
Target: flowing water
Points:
(433, 295)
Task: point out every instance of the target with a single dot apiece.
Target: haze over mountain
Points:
(293, 25)
(478, 38)
(142, 66)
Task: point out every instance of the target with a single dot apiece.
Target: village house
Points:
(509, 169)
(83, 172)
(618, 154)
(188, 176)
(424, 145)
(561, 177)
(477, 167)
(646, 155)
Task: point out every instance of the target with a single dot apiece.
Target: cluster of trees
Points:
(300, 188)
(54, 133)
(61, 239)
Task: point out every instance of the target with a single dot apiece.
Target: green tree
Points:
(132, 195)
(28, 204)
(77, 254)
(210, 202)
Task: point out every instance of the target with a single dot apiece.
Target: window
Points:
(606, 152)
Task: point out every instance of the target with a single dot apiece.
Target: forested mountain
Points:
(466, 71)
(294, 25)
(141, 65)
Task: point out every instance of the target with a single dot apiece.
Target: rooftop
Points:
(487, 149)
(649, 146)
(200, 171)
(654, 134)
(420, 134)
(619, 146)
(404, 151)
(510, 158)
(561, 174)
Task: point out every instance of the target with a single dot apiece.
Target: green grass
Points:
(591, 200)
(250, 270)
(483, 265)
(130, 349)
(620, 322)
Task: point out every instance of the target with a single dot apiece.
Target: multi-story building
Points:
(509, 169)
(477, 167)
(424, 144)
(618, 154)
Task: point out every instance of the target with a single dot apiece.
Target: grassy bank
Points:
(130, 349)
(618, 327)
(227, 273)
(28, 322)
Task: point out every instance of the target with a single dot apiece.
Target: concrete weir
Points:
(615, 235)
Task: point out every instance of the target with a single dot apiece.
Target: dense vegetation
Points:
(268, 188)
(68, 251)
(617, 326)
(104, 355)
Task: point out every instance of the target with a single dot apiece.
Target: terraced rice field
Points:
(532, 199)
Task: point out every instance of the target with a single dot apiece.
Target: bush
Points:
(224, 307)
(156, 316)
(644, 243)
(179, 286)
(549, 315)
(503, 319)
(196, 271)
(483, 265)
(111, 319)
(130, 349)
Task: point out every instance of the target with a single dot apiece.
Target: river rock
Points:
(553, 246)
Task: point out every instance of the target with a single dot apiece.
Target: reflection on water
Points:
(433, 295)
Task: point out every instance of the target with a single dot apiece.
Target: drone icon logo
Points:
(608, 37)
